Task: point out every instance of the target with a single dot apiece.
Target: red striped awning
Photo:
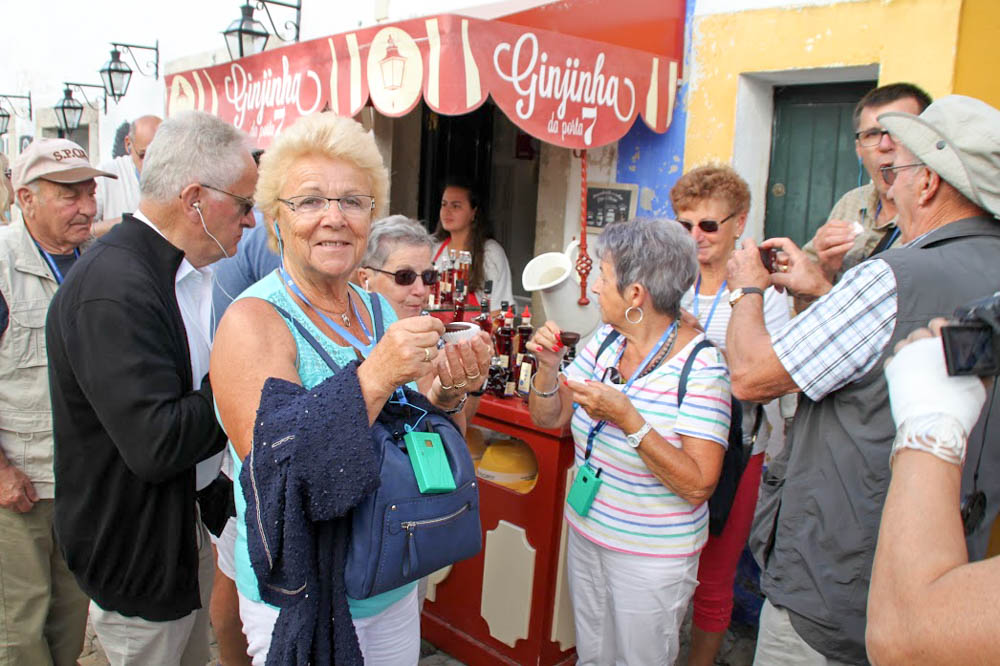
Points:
(562, 89)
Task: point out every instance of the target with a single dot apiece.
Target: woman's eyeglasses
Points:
(354, 206)
(407, 276)
(889, 172)
(708, 226)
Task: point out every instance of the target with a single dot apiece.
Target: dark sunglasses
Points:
(708, 226)
(612, 374)
(246, 205)
(889, 172)
(407, 276)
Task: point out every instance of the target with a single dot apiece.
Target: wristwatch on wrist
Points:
(736, 294)
(636, 437)
(457, 408)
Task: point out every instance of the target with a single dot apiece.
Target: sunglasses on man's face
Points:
(407, 276)
(708, 226)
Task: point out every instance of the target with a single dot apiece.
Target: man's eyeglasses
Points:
(708, 226)
(407, 276)
(889, 172)
(871, 137)
(354, 206)
(246, 205)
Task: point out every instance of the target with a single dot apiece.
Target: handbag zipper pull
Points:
(410, 561)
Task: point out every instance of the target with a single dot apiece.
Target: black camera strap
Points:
(974, 506)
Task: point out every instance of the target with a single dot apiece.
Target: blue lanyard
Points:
(597, 427)
(52, 262)
(351, 339)
(715, 303)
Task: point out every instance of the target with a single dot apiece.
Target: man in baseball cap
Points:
(44, 613)
(945, 183)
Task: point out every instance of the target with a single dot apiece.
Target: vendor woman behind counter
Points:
(463, 225)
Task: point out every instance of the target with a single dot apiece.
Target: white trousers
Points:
(778, 644)
(131, 641)
(628, 608)
(391, 638)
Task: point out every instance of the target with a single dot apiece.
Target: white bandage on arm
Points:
(933, 411)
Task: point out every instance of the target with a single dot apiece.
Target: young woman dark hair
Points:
(462, 225)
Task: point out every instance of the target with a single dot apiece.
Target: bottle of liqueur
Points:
(505, 348)
(498, 320)
(483, 319)
(459, 300)
(446, 282)
(526, 363)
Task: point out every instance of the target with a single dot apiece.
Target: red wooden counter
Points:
(509, 604)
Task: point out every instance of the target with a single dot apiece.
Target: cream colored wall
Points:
(975, 70)
(910, 40)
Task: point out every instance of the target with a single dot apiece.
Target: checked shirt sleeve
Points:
(841, 337)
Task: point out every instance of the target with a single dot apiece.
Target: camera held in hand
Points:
(972, 342)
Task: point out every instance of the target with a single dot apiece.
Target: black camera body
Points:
(972, 343)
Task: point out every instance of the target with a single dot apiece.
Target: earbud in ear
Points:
(277, 232)
(197, 205)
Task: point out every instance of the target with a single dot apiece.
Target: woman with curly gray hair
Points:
(646, 462)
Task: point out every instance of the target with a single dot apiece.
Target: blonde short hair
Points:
(327, 135)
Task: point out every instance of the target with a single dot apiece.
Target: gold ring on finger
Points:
(427, 354)
(446, 388)
(462, 385)
(783, 268)
(475, 376)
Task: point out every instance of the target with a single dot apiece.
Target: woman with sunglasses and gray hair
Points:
(397, 264)
(646, 462)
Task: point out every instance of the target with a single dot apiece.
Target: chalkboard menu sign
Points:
(607, 203)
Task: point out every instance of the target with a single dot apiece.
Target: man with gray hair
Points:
(43, 613)
(133, 414)
(945, 183)
(116, 198)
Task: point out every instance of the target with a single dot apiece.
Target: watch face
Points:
(735, 295)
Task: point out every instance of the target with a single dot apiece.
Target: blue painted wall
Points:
(656, 161)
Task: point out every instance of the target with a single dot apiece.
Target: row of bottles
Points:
(451, 289)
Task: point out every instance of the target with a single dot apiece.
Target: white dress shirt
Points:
(193, 290)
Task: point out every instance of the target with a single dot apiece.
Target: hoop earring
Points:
(641, 314)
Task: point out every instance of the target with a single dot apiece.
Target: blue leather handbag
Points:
(398, 534)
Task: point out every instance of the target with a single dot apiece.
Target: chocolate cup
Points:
(458, 331)
(569, 338)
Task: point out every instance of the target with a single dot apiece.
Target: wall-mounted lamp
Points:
(69, 110)
(246, 35)
(5, 116)
(116, 73)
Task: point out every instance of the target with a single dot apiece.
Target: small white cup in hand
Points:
(459, 330)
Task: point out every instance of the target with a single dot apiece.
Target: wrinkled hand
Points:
(600, 401)
(16, 490)
(795, 271)
(406, 352)
(464, 366)
(547, 346)
(745, 268)
(832, 241)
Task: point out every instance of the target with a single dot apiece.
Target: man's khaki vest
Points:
(27, 286)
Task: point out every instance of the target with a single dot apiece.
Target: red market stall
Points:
(509, 604)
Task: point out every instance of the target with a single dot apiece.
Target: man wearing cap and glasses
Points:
(945, 183)
(44, 613)
(863, 221)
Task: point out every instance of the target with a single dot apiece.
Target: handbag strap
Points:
(686, 370)
(311, 339)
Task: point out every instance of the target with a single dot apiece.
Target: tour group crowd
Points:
(157, 312)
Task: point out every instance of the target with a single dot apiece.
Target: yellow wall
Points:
(911, 40)
(975, 63)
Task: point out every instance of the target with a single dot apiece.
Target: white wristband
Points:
(940, 435)
(919, 384)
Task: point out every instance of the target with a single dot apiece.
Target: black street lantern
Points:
(5, 115)
(115, 75)
(68, 112)
(245, 36)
